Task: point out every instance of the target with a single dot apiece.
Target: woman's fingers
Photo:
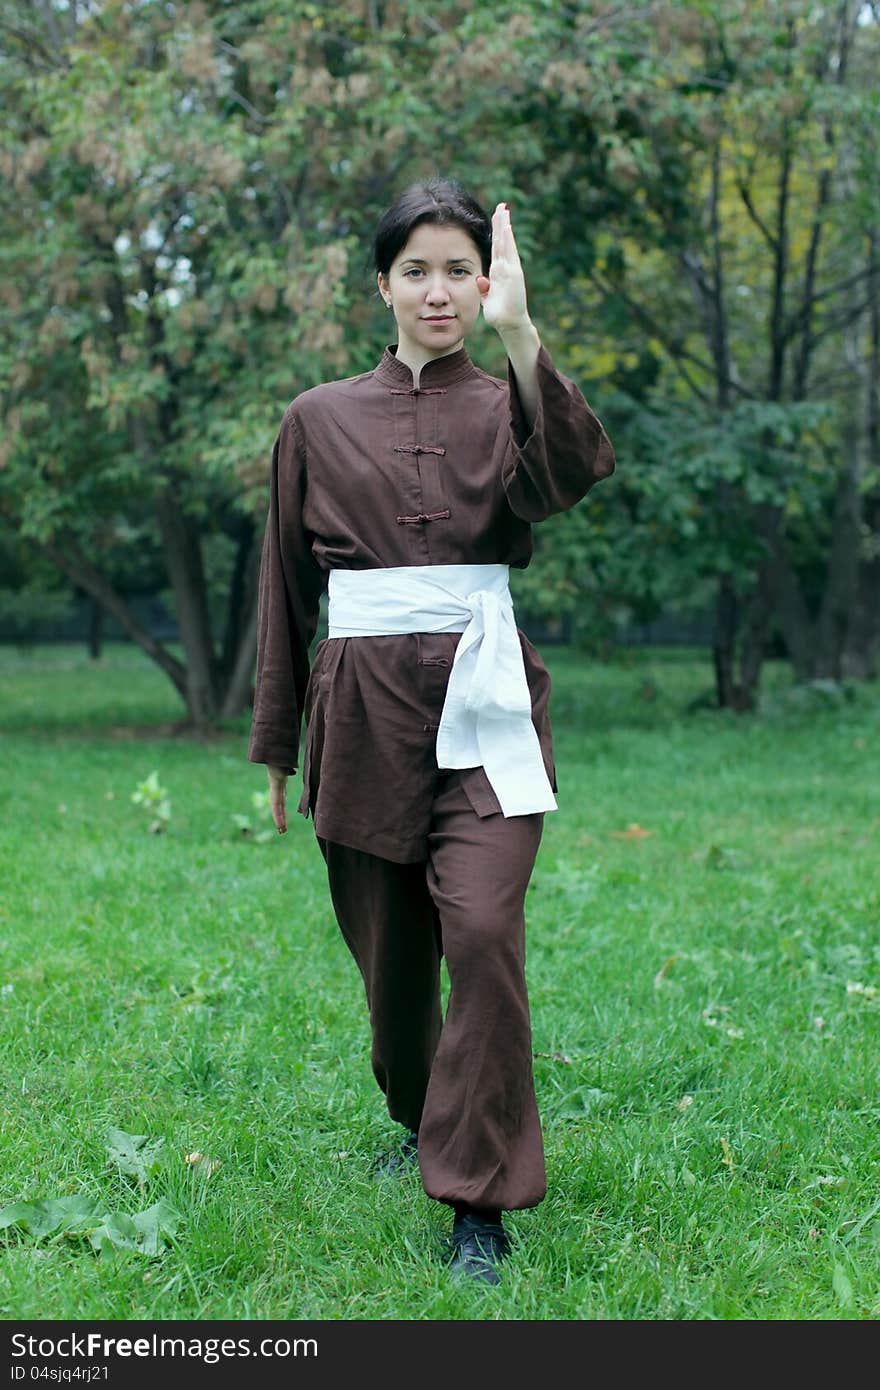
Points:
(503, 291)
(278, 799)
(278, 813)
(503, 243)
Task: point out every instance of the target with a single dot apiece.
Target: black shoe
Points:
(399, 1159)
(478, 1247)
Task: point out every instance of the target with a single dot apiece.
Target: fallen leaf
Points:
(73, 1217)
(842, 1287)
(134, 1154)
(633, 831)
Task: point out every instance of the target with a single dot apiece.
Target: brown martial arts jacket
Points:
(370, 471)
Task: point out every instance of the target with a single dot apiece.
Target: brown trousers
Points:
(465, 1083)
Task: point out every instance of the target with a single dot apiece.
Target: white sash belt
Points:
(487, 714)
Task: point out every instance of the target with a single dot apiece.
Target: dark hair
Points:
(442, 201)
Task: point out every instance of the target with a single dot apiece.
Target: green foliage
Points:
(657, 536)
(716, 279)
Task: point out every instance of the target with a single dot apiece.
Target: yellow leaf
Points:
(203, 1162)
(633, 831)
(665, 967)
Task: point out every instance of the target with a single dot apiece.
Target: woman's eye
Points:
(459, 271)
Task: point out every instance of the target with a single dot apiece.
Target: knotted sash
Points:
(487, 713)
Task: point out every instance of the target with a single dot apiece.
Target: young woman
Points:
(428, 765)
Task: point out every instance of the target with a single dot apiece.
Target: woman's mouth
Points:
(438, 318)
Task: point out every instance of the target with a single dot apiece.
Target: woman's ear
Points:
(383, 286)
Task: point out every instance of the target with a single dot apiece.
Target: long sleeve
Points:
(550, 468)
(289, 594)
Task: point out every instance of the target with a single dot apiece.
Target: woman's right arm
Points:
(290, 588)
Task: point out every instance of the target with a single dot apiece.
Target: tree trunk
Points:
(241, 589)
(724, 641)
(739, 644)
(233, 691)
(96, 630)
(183, 556)
(240, 644)
(238, 694)
(861, 655)
(841, 585)
(785, 593)
(64, 552)
(862, 649)
(759, 621)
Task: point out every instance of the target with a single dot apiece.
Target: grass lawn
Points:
(704, 969)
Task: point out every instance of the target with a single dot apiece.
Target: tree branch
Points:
(677, 353)
(30, 40)
(759, 222)
(64, 552)
(249, 108)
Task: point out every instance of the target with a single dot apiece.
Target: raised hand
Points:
(503, 292)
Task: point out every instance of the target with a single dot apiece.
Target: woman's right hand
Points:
(278, 797)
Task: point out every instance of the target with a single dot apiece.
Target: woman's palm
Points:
(503, 292)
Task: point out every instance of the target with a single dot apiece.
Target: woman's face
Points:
(433, 291)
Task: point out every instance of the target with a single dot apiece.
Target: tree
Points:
(187, 199)
(719, 149)
(185, 187)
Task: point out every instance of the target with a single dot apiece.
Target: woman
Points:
(428, 764)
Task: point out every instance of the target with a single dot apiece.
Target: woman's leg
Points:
(480, 1139)
(388, 920)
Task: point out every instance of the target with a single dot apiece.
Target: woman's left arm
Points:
(558, 447)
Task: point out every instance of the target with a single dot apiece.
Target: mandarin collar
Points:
(439, 371)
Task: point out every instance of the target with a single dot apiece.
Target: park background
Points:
(187, 201)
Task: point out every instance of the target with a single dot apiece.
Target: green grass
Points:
(705, 1004)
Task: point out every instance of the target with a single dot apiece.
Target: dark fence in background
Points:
(86, 623)
(671, 630)
(84, 618)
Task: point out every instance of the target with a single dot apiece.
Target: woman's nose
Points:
(437, 291)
